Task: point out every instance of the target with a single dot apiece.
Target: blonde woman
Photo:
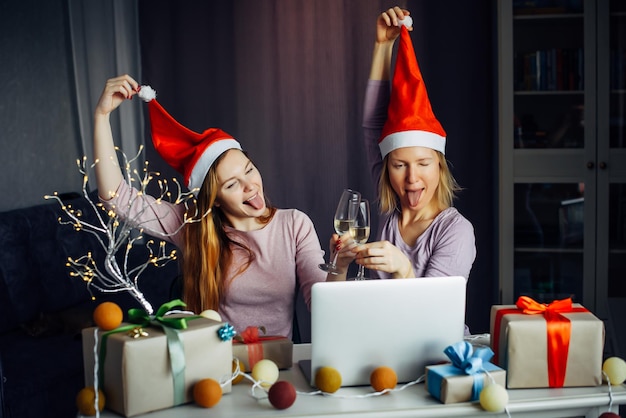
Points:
(420, 232)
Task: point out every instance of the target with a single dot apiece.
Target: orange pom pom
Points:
(207, 393)
(383, 378)
(108, 316)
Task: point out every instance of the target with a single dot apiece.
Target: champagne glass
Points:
(360, 230)
(344, 217)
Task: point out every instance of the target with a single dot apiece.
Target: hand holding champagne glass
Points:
(344, 217)
(360, 230)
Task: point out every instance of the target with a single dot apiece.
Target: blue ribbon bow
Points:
(471, 362)
(226, 332)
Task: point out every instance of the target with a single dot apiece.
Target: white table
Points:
(414, 401)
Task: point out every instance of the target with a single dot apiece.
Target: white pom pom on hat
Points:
(410, 118)
(407, 21)
(146, 93)
(190, 153)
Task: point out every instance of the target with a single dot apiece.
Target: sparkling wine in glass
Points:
(344, 217)
(360, 230)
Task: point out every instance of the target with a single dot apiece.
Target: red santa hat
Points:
(188, 152)
(410, 119)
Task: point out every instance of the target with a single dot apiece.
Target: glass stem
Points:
(361, 273)
(334, 262)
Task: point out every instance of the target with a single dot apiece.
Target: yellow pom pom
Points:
(328, 379)
(85, 401)
(266, 372)
(383, 378)
(493, 398)
(615, 369)
(207, 393)
(239, 377)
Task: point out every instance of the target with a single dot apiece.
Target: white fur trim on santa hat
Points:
(405, 139)
(207, 159)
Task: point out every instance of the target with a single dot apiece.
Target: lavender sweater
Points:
(287, 253)
(447, 247)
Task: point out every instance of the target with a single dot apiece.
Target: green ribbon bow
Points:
(170, 326)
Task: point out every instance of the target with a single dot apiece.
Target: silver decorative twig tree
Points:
(118, 236)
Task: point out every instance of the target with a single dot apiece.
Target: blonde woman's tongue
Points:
(414, 197)
(256, 201)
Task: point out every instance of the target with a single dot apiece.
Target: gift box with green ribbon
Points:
(464, 377)
(250, 346)
(152, 362)
(547, 345)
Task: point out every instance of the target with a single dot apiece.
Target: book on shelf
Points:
(552, 69)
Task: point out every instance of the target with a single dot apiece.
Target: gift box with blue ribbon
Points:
(152, 362)
(466, 375)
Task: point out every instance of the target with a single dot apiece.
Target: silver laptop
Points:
(404, 324)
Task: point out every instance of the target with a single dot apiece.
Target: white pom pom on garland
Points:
(407, 21)
(146, 93)
(493, 398)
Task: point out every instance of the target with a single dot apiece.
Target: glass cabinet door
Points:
(616, 133)
(562, 150)
(549, 150)
(548, 77)
(617, 242)
(549, 240)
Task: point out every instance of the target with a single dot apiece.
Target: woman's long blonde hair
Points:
(444, 195)
(207, 251)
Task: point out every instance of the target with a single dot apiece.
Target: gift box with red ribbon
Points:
(250, 347)
(152, 362)
(464, 377)
(547, 345)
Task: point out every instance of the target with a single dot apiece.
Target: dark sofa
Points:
(43, 309)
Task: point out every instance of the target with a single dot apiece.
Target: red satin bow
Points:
(254, 343)
(250, 335)
(530, 307)
(559, 330)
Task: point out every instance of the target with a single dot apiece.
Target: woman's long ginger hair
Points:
(207, 253)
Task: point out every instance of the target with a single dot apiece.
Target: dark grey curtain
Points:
(287, 79)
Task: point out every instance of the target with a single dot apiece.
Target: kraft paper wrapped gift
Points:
(137, 371)
(547, 345)
(463, 378)
(250, 347)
